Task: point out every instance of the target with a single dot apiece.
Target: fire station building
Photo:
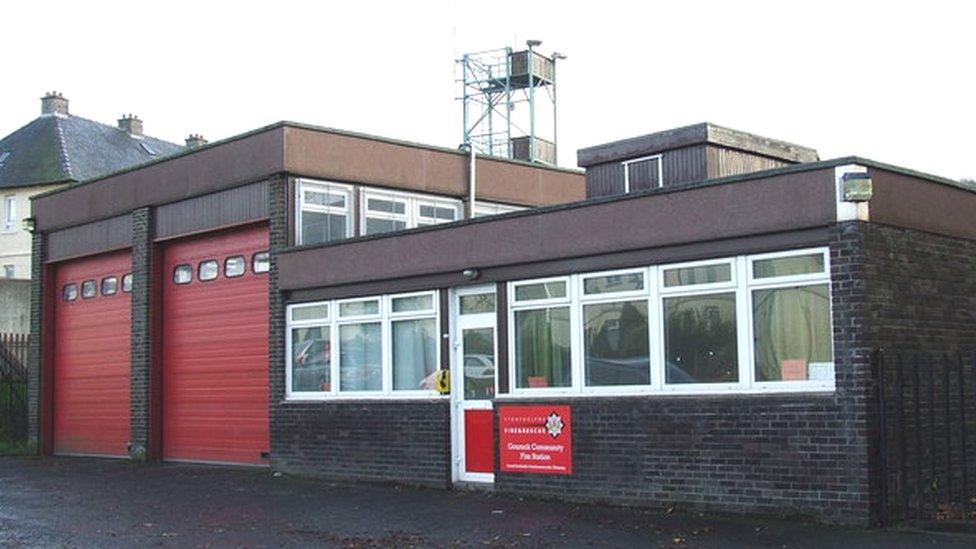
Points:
(687, 322)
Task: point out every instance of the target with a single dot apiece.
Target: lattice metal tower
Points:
(509, 101)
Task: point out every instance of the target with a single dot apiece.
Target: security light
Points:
(533, 43)
(470, 274)
(557, 55)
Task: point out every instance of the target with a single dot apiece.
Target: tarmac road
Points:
(73, 502)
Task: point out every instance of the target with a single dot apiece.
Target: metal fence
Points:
(927, 448)
(13, 387)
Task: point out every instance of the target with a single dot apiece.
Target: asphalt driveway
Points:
(101, 503)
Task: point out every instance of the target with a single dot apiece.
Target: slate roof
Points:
(62, 148)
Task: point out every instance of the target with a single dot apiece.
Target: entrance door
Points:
(473, 375)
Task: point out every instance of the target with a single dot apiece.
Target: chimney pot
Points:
(131, 125)
(54, 103)
(195, 140)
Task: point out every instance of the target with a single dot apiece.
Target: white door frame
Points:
(458, 403)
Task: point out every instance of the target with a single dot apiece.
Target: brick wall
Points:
(798, 454)
(921, 294)
(35, 357)
(141, 446)
(396, 441)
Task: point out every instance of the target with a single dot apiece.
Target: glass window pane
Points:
(88, 289)
(261, 262)
(477, 303)
(615, 343)
(318, 228)
(359, 308)
(542, 342)
(794, 341)
(413, 303)
(700, 339)
(182, 274)
(643, 174)
(208, 270)
(110, 285)
(787, 266)
(386, 205)
(542, 290)
(378, 226)
(360, 357)
(479, 363)
(70, 292)
(235, 266)
(628, 282)
(332, 199)
(127, 283)
(310, 312)
(702, 274)
(441, 213)
(311, 359)
(414, 354)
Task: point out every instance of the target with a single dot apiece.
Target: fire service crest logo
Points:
(554, 425)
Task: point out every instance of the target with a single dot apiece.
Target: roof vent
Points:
(54, 103)
(131, 124)
(195, 140)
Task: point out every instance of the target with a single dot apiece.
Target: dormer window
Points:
(643, 173)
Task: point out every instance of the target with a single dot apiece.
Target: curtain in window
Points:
(792, 330)
(542, 348)
(414, 353)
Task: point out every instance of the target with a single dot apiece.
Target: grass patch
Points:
(14, 448)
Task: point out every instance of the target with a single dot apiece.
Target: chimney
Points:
(131, 124)
(195, 141)
(54, 103)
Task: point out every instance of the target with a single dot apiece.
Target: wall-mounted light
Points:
(29, 224)
(858, 187)
(471, 274)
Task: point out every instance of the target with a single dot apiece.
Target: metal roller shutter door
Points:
(215, 352)
(92, 359)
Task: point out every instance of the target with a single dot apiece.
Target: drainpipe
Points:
(472, 181)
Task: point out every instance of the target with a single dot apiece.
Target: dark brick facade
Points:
(792, 454)
(920, 296)
(35, 357)
(144, 382)
(407, 442)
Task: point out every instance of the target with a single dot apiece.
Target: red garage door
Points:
(91, 355)
(215, 347)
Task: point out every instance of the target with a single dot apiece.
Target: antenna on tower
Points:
(509, 103)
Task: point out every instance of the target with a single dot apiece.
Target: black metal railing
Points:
(13, 389)
(927, 444)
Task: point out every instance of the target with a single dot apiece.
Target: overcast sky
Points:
(890, 81)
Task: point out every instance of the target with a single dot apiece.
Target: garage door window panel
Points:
(183, 274)
(89, 289)
(127, 283)
(208, 270)
(110, 285)
(235, 266)
(70, 292)
(261, 263)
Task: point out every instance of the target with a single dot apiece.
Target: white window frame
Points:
(326, 186)
(385, 317)
(574, 331)
(486, 209)
(10, 213)
(742, 285)
(790, 281)
(412, 201)
(649, 296)
(660, 169)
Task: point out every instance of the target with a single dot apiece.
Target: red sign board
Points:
(536, 439)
